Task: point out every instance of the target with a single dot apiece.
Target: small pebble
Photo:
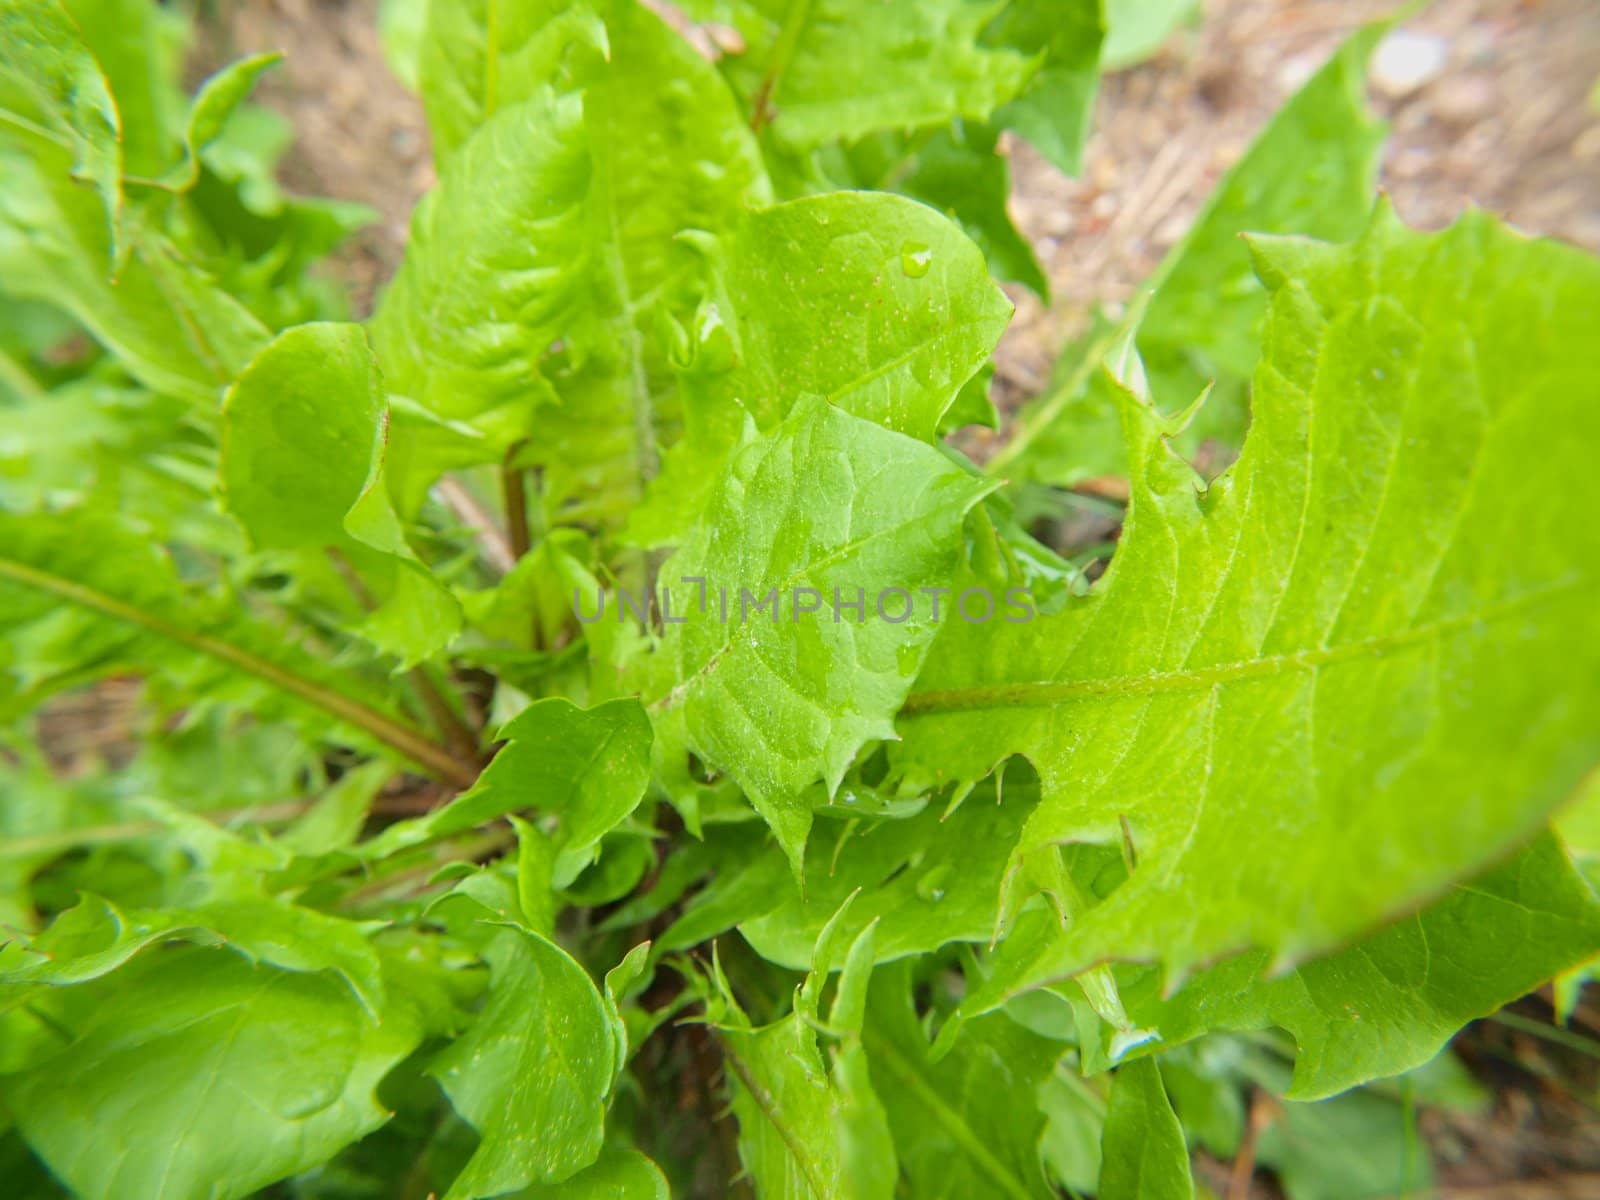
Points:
(1296, 72)
(1406, 61)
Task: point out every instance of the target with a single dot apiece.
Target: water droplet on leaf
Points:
(714, 351)
(931, 887)
(915, 259)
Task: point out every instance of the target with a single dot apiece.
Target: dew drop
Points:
(714, 351)
(915, 259)
(931, 886)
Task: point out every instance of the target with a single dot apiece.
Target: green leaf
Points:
(532, 1072)
(1054, 110)
(1135, 29)
(617, 1175)
(214, 105)
(1288, 695)
(140, 48)
(1578, 824)
(1075, 1117)
(402, 33)
(927, 881)
(618, 983)
(809, 1129)
(779, 699)
(588, 768)
(304, 433)
(162, 316)
(871, 301)
(52, 92)
(831, 70)
(260, 242)
(960, 171)
(1578, 828)
(533, 306)
(1392, 1001)
(482, 292)
(968, 1124)
(478, 57)
(1312, 171)
(192, 1075)
(302, 437)
(1311, 1149)
(129, 611)
(335, 821)
(40, 815)
(134, 282)
(95, 440)
(1143, 1156)
(95, 938)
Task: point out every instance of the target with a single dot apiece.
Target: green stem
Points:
(1549, 1033)
(459, 736)
(398, 735)
(63, 840)
(794, 24)
(1034, 421)
(409, 880)
(15, 376)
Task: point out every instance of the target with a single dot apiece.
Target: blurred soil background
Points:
(1489, 105)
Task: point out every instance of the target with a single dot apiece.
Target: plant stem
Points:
(398, 735)
(514, 489)
(16, 376)
(1244, 1162)
(127, 831)
(1034, 421)
(404, 882)
(461, 738)
(458, 498)
(1549, 1033)
(794, 24)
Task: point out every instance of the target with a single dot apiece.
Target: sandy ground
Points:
(1505, 124)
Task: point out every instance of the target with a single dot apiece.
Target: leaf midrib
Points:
(768, 1105)
(1049, 692)
(959, 1130)
(742, 633)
